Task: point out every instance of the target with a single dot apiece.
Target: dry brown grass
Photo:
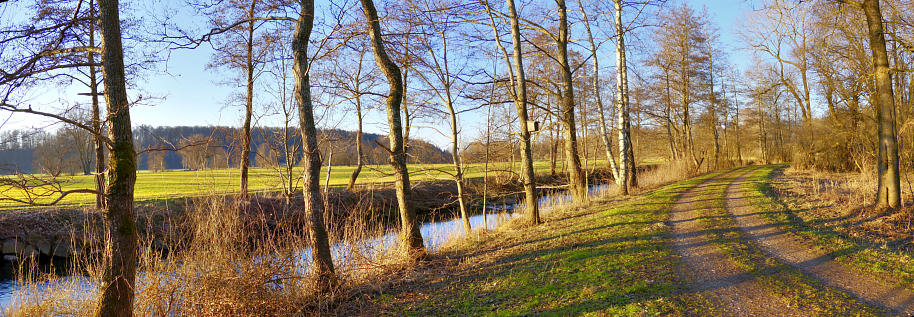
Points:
(224, 260)
(665, 174)
(844, 202)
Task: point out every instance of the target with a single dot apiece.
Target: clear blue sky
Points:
(191, 94)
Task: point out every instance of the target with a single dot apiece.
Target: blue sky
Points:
(191, 95)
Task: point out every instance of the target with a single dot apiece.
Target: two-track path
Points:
(709, 270)
(777, 240)
(737, 292)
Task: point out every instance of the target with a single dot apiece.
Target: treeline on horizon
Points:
(70, 150)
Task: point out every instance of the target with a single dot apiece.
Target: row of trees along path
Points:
(240, 50)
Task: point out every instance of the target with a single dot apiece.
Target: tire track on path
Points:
(711, 273)
(776, 240)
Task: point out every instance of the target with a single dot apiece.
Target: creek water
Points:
(434, 233)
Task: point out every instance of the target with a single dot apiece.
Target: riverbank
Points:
(63, 233)
(220, 251)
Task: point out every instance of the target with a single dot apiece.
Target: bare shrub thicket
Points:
(225, 259)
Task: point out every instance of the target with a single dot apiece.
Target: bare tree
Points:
(439, 22)
(354, 83)
(572, 157)
(889, 192)
(119, 276)
(518, 90)
(410, 235)
(314, 205)
(27, 66)
(605, 134)
(627, 177)
(239, 42)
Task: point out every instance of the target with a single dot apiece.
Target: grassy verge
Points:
(798, 289)
(846, 250)
(611, 258)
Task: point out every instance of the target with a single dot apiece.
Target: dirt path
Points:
(711, 273)
(788, 248)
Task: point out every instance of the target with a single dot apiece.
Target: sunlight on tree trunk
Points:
(119, 276)
(314, 203)
(410, 236)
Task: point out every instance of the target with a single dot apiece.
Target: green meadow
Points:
(183, 184)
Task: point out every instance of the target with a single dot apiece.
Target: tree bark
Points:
(314, 204)
(713, 109)
(889, 192)
(248, 104)
(575, 174)
(119, 276)
(520, 103)
(96, 119)
(627, 178)
(605, 136)
(410, 236)
(458, 168)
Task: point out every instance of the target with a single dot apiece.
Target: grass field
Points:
(180, 183)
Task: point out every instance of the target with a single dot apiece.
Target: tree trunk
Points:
(485, 168)
(458, 169)
(329, 169)
(739, 144)
(96, 120)
(520, 103)
(575, 174)
(605, 136)
(674, 155)
(407, 119)
(889, 193)
(358, 144)
(119, 276)
(627, 178)
(314, 205)
(248, 105)
(713, 110)
(410, 236)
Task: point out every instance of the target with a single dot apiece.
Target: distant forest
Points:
(70, 150)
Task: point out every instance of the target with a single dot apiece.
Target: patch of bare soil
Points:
(777, 240)
(710, 272)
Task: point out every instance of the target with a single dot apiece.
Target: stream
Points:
(434, 233)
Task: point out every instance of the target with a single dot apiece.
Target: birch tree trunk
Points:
(627, 178)
(605, 135)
